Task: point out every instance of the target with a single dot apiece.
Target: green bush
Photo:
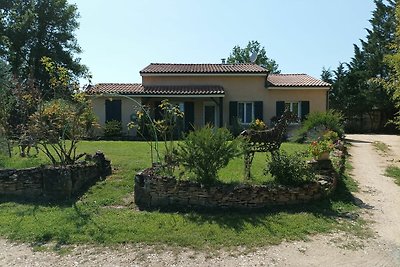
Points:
(236, 128)
(207, 150)
(113, 128)
(317, 123)
(289, 170)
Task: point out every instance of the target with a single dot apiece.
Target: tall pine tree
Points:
(355, 91)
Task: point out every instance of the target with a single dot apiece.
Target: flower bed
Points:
(53, 183)
(160, 192)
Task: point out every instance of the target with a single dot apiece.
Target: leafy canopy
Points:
(32, 29)
(355, 91)
(392, 84)
(242, 55)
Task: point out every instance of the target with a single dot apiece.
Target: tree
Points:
(32, 29)
(242, 55)
(354, 90)
(326, 75)
(392, 83)
(7, 101)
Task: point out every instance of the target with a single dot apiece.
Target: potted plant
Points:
(320, 149)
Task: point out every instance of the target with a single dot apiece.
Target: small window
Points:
(246, 112)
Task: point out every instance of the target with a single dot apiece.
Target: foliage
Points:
(317, 123)
(33, 29)
(58, 125)
(242, 55)
(392, 84)
(171, 114)
(258, 125)
(289, 170)
(7, 101)
(355, 91)
(113, 128)
(207, 150)
(236, 128)
(166, 128)
(317, 148)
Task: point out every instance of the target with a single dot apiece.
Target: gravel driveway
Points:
(378, 194)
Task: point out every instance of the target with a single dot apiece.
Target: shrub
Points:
(289, 170)
(58, 126)
(317, 124)
(112, 129)
(236, 128)
(258, 125)
(207, 150)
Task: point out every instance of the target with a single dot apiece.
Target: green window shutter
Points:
(233, 110)
(258, 110)
(305, 109)
(113, 110)
(280, 108)
(189, 115)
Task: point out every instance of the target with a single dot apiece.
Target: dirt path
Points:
(379, 195)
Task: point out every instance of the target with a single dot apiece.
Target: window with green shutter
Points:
(258, 110)
(113, 110)
(280, 108)
(233, 112)
(305, 109)
(188, 109)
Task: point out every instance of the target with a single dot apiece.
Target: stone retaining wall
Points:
(53, 183)
(158, 192)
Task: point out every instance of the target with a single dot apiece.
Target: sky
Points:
(121, 37)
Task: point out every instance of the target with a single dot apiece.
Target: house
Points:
(218, 94)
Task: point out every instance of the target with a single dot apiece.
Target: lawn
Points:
(106, 213)
(394, 172)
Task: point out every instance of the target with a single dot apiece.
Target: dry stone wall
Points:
(159, 192)
(53, 182)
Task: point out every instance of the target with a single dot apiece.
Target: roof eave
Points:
(175, 74)
(157, 95)
(297, 87)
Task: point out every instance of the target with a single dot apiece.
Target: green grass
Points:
(234, 172)
(105, 214)
(380, 146)
(394, 172)
(16, 162)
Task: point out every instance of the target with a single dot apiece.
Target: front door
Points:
(210, 114)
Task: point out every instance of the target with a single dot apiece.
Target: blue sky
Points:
(121, 37)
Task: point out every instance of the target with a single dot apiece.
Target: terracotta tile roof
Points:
(164, 68)
(114, 88)
(139, 89)
(184, 90)
(295, 80)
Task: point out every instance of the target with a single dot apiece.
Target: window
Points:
(245, 112)
(113, 110)
(209, 115)
(293, 107)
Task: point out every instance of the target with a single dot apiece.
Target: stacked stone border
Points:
(53, 182)
(161, 192)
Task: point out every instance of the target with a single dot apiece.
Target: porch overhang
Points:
(157, 91)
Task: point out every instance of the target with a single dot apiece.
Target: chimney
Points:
(223, 60)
